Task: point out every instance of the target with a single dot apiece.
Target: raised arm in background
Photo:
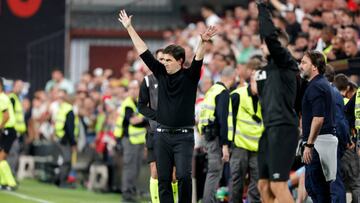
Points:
(269, 33)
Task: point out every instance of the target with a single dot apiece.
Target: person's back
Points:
(277, 85)
(277, 93)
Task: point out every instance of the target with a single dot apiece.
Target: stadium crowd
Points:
(329, 26)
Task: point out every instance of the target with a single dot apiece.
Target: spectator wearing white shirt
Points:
(208, 13)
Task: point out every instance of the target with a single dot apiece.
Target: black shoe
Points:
(129, 200)
(8, 188)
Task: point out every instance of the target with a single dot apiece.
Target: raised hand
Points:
(208, 34)
(124, 18)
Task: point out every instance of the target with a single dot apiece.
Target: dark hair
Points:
(176, 51)
(2, 83)
(303, 35)
(329, 72)
(341, 81)
(208, 7)
(317, 59)
(353, 41)
(158, 51)
(316, 25)
(316, 12)
(283, 37)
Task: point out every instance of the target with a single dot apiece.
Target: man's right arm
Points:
(139, 44)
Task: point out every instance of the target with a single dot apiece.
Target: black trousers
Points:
(174, 150)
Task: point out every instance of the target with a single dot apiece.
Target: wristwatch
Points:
(309, 145)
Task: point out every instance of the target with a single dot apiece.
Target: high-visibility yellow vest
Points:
(60, 120)
(5, 105)
(346, 100)
(136, 134)
(248, 131)
(207, 112)
(357, 110)
(20, 125)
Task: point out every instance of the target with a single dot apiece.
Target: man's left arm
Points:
(222, 112)
(317, 99)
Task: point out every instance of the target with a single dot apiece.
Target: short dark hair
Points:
(208, 7)
(158, 51)
(316, 25)
(176, 51)
(329, 73)
(341, 81)
(317, 59)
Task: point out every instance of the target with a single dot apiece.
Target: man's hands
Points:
(124, 18)
(208, 33)
(225, 152)
(136, 120)
(307, 156)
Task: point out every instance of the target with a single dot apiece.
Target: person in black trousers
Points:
(174, 137)
(276, 83)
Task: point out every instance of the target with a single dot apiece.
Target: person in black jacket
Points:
(147, 106)
(174, 137)
(277, 92)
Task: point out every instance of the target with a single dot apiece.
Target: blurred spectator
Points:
(337, 51)
(351, 49)
(208, 13)
(57, 79)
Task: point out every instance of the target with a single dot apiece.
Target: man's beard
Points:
(304, 76)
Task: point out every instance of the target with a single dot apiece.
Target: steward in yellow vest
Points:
(65, 122)
(20, 125)
(7, 137)
(215, 123)
(124, 128)
(130, 130)
(248, 128)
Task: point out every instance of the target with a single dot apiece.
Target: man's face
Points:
(133, 90)
(18, 86)
(336, 43)
(306, 67)
(349, 34)
(219, 61)
(171, 64)
(328, 18)
(160, 57)
(350, 49)
(57, 76)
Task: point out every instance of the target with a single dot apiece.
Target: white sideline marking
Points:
(22, 196)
